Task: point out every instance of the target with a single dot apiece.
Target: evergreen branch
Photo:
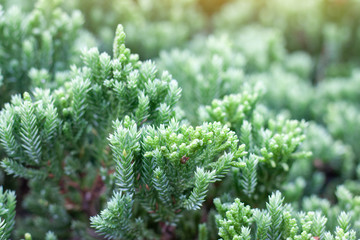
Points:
(29, 132)
(7, 138)
(119, 49)
(3, 229)
(7, 213)
(115, 221)
(161, 184)
(263, 221)
(275, 209)
(249, 175)
(344, 221)
(18, 170)
(124, 144)
(198, 194)
(142, 112)
(79, 105)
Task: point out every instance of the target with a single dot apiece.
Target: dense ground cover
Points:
(191, 120)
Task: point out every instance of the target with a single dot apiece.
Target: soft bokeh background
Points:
(301, 57)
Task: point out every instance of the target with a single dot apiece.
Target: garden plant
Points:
(187, 119)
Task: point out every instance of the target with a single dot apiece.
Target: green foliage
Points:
(164, 24)
(320, 27)
(206, 72)
(108, 149)
(119, 226)
(60, 136)
(344, 114)
(334, 89)
(330, 158)
(277, 221)
(227, 64)
(280, 92)
(346, 202)
(261, 47)
(203, 234)
(7, 213)
(27, 133)
(50, 236)
(166, 172)
(43, 39)
(272, 144)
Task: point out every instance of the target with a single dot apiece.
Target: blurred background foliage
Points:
(301, 57)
